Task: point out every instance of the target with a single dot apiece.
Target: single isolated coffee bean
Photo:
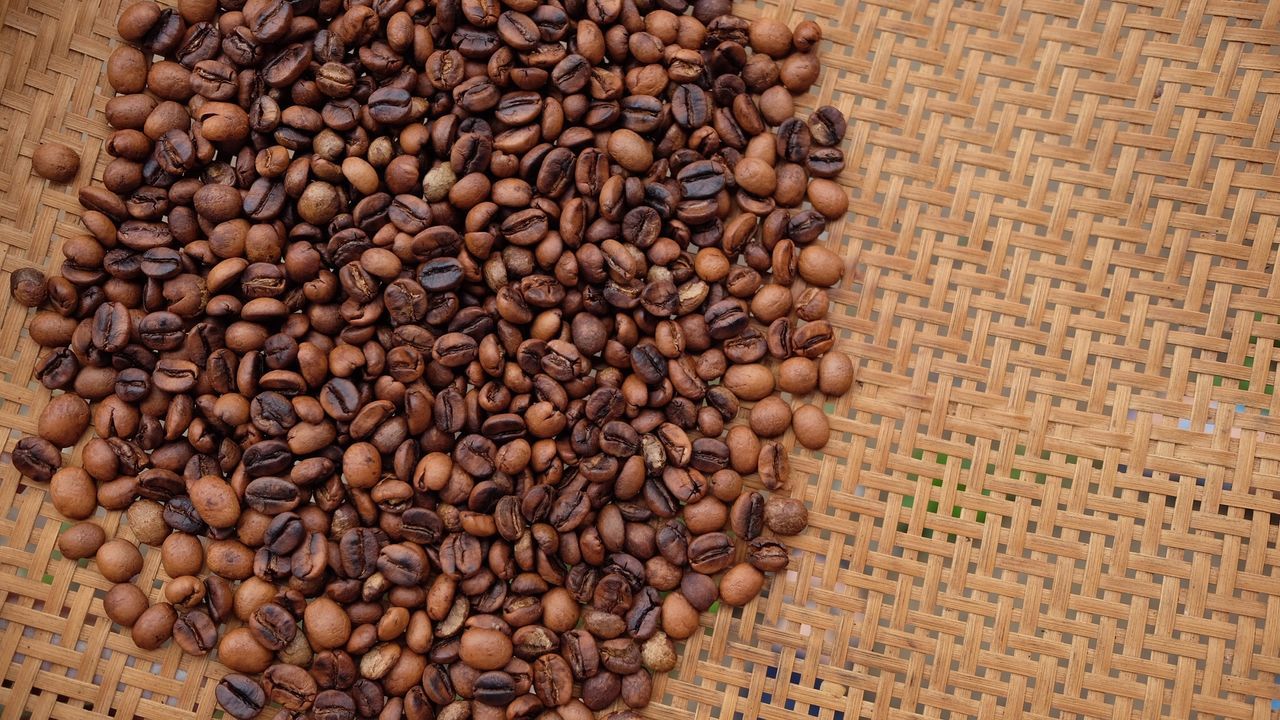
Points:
(56, 162)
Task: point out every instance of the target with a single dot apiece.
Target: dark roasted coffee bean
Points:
(272, 495)
(36, 458)
(421, 526)
(181, 515)
(273, 627)
(553, 680)
(402, 564)
(58, 370)
(240, 696)
(827, 125)
(495, 688)
(601, 690)
(111, 327)
(195, 633)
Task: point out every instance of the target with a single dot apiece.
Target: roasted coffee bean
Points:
(36, 458)
(240, 696)
(774, 468)
(58, 369)
(746, 517)
(768, 555)
(495, 688)
(271, 495)
(333, 705)
(553, 680)
(273, 626)
(291, 686)
(710, 553)
(195, 633)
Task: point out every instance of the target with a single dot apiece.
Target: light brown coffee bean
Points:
(749, 382)
(154, 626)
(146, 521)
(785, 516)
(239, 651)
(81, 540)
(485, 649)
(118, 560)
(828, 197)
(127, 70)
(740, 584)
(835, 373)
(679, 618)
(216, 502)
(812, 429)
(63, 420)
(182, 554)
(56, 162)
(819, 266)
(756, 176)
(327, 624)
(73, 493)
(124, 603)
(770, 417)
(770, 36)
(630, 150)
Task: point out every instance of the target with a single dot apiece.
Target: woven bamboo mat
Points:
(1053, 493)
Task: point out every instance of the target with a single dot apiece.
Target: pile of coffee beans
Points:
(416, 336)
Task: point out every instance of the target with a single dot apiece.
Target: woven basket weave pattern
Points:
(1051, 493)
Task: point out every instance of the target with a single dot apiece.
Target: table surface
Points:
(1053, 491)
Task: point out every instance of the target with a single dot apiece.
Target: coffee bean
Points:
(62, 422)
(553, 680)
(240, 696)
(195, 633)
(333, 705)
(273, 627)
(290, 686)
(747, 515)
(118, 560)
(36, 458)
(124, 603)
(56, 162)
(81, 540)
(154, 626)
(768, 555)
(710, 553)
(741, 584)
(835, 373)
(601, 690)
